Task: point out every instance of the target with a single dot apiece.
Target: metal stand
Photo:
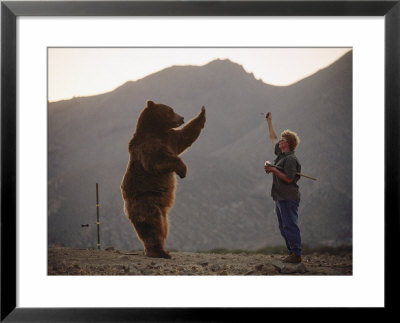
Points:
(98, 216)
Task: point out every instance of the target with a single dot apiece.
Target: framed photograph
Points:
(79, 78)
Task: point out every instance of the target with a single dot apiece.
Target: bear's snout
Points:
(179, 120)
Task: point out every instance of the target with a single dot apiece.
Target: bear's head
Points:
(158, 118)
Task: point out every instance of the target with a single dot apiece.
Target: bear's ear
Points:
(150, 104)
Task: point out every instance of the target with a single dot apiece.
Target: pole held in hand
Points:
(280, 168)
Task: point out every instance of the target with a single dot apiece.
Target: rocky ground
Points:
(70, 261)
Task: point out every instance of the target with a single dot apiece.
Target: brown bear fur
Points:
(149, 183)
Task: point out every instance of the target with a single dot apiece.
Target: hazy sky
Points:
(88, 71)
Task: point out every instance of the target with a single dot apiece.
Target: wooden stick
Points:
(300, 174)
(314, 179)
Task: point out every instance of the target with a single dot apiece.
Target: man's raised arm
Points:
(272, 135)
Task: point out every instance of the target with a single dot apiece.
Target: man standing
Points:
(285, 191)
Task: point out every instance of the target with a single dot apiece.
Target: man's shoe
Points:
(287, 257)
(292, 259)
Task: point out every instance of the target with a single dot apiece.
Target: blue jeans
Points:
(288, 224)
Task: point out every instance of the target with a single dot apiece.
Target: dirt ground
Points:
(70, 261)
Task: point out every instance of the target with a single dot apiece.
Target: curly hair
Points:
(292, 139)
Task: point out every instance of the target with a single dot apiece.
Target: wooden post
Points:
(98, 215)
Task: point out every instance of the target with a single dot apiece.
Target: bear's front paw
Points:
(181, 170)
(202, 116)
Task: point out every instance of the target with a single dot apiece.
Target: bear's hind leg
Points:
(149, 222)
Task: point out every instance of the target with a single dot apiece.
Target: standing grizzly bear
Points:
(148, 186)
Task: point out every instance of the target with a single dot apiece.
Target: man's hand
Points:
(268, 168)
(268, 116)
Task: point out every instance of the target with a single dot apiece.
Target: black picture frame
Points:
(11, 10)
